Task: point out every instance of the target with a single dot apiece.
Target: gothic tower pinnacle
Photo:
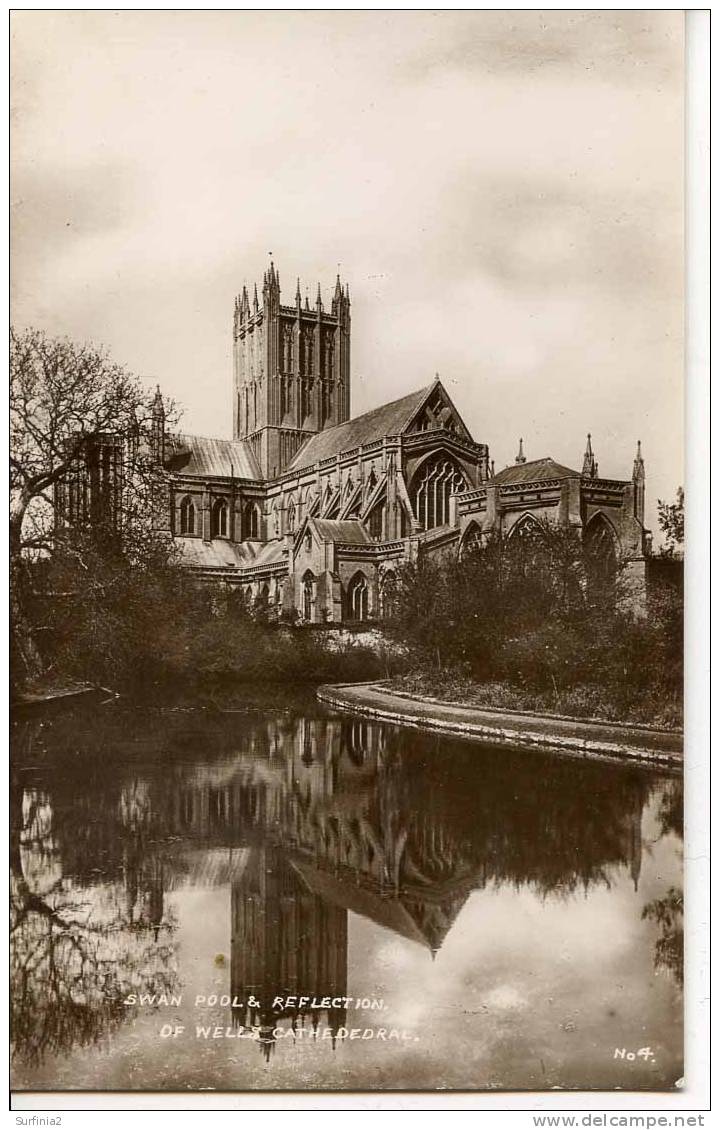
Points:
(291, 369)
(589, 467)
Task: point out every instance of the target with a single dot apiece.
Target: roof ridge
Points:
(426, 391)
(215, 439)
(369, 411)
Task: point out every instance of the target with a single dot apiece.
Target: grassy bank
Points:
(587, 701)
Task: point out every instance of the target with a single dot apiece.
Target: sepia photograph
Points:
(346, 553)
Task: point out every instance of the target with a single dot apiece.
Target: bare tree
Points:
(64, 399)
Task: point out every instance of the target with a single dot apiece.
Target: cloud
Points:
(503, 191)
(632, 46)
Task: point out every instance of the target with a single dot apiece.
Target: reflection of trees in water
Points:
(670, 812)
(395, 825)
(516, 818)
(76, 951)
(667, 912)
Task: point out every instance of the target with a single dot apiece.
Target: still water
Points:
(459, 916)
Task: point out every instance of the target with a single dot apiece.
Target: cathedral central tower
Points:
(291, 370)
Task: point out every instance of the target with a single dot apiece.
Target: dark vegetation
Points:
(536, 623)
(153, 628)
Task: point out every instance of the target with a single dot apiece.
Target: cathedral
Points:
(311, 510)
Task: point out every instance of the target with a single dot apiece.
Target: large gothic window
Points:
(187, 516)
(358, 597)
(435, 481)
(219, 519)
(600, 545)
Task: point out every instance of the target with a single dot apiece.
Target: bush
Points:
(539, 616)
(136, 628)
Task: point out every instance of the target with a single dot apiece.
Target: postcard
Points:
(346, 551)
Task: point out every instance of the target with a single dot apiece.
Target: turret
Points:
(590, 467)
(157, 429)
(520, 457)
(638, 478)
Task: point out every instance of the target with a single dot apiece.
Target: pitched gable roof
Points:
(537, 471)
(216, 458)
(387, 420)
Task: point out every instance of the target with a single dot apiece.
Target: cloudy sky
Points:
(502, 191)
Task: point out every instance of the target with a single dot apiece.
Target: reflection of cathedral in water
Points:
(286, 942)
(306, 821)
(334, 823)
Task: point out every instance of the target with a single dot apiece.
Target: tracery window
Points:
(187, 516)
(250, 520)
(526, 528)
(600, 544)
(471, 540)
(375, 522)
(358, 597)
(219, 519)
(435, 482)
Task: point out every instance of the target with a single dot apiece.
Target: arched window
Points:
(434, 482)
(375, 522)
(388, 594)
(358, 597)
(308, 596)
(219, 519)
(308, 541)
(187, 516)
(600, 544)
(291, 516)
(471, 541)
(250, 521)
(526, 528)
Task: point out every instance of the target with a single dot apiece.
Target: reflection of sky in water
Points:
(518, 870)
